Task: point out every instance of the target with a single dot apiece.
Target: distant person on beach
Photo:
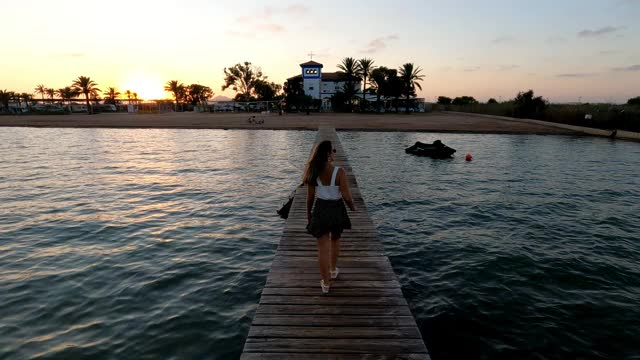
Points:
(328, 185)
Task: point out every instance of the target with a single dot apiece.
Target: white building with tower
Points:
(323, 85)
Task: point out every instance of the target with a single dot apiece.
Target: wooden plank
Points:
(302, 291)
(276, 282)
(331, 300)
(321, 345)
(333, 320)
(291, 275)
(307, 356)
(314, 270)
(374, 260)
(335, 332)
(343, 253)
(333, 310)
(293, 246)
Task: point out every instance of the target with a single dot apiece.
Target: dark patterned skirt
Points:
(328, 216)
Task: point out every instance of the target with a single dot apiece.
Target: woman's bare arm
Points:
(311, 195)
(344, 189)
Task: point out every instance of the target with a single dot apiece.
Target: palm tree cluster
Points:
(82, 85)
(11, 96)
(383, 81)
(193, 94)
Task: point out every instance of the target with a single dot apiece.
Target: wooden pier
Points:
(365, 316)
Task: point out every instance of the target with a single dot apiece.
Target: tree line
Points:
(527, 105)
(83, 85)
(250, 84)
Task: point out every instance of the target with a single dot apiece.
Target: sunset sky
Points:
(565, 50)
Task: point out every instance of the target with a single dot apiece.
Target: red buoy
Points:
(468, 157)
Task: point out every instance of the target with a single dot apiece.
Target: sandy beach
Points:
(432, 122)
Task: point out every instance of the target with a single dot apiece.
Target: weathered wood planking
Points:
(365, 316)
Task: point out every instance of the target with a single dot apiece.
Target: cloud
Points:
(507, 67)
(379, 43)
(575, 75)
(260, 22)
(503, 40)
(599, 32)
(274, 28)
(471, 68)
(627, 68)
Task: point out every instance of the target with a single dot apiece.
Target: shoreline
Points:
(416, 122)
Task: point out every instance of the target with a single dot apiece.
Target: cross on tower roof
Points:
(310, 55)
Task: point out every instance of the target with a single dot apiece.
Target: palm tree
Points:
(366, 67)
(5, 97)
(175, 87)
(86, 86)
(350, 68)
(411, 77)
(51, 93)
(379, 83)
(67, 93)
(41, 89)
(17, 98)
(128, 92)
(111, 95)
(61, 93)
(26, 97)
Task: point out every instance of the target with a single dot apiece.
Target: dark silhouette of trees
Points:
(528, 105)
(634, 101)
(443, 100)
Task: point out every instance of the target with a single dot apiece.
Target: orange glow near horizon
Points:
(148, 86)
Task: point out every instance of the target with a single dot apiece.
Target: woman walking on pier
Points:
(328, 217)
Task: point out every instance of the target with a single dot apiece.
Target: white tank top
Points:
(331, 192)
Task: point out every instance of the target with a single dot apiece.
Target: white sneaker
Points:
(334, 274)
(325, 288)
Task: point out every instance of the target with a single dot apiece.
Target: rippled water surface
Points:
(530, 251)
(135, 244)
(138, 243)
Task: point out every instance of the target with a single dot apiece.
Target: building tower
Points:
(311, 78)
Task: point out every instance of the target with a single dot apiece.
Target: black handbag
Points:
(284, 210)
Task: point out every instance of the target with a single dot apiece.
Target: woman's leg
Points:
(335, 251)
(324, 256)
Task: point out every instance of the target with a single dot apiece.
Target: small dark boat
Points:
(437, 150)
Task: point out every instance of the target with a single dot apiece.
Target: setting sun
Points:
(148, 86)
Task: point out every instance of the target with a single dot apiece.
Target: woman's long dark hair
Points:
(316, 162)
